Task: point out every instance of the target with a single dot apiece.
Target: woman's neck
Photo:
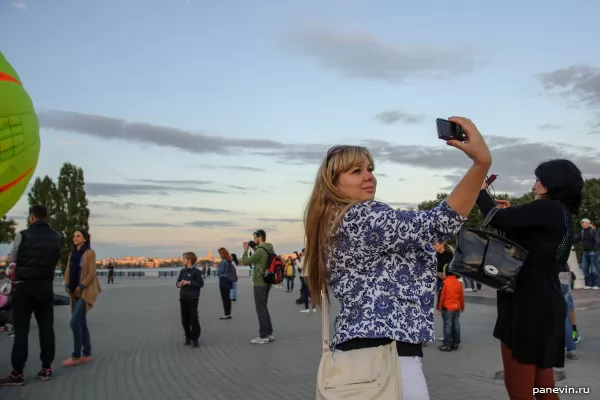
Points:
(78, 247)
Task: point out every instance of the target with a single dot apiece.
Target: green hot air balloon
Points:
(19, 137)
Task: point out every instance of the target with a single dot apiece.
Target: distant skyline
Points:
(197, 123)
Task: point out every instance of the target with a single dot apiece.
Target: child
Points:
(190, 282)
(451, 303)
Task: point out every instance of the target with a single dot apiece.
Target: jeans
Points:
(471, 284)
(569, 342)
(189, 319)
(37, 298)
(226, 298)
(451, 320)
(233, 291)
(304, 291)
(589, 265)
(290, 283)
(261, 298)
(81, 333)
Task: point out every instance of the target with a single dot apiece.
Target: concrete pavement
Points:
(139, 352)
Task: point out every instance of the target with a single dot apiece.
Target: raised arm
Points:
(531, 215)
(376, 227)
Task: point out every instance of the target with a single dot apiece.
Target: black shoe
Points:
(188, 342)
(226, 317)
(14, 379)
(45, 374)
(445, 348)
(196, 345)
(455, 346)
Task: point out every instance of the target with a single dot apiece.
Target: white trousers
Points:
(412, 379)
(414, 386)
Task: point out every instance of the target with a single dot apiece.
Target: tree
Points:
(7, 230)
(44, 192)
(66, 202)
(71, 207)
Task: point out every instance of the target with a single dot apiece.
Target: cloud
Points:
(175, 182)
(131, 189)
(285, 220)
(211, 224)
(129, 206)
(549, 126)
(360, 55)
(306, 182)
(381, 175)
(231, 167)
(19, 6)
(392, 117)
(142, 225)
(137, 132)
(578, 83)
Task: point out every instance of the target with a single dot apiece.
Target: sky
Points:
(198, 122)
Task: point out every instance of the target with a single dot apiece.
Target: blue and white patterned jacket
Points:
(382, 270)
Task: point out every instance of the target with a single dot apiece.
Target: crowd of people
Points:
(380, 264)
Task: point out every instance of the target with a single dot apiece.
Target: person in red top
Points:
(451, 303)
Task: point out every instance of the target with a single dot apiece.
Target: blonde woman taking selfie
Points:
(379, 262)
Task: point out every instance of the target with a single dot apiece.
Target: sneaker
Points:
(571, 356)
(305, 310)
(195, 345)
(14, 379)
(445, 348)
(71, 362)
(576, 337)
(85, 359)
(225, 317)
(586, 287)
(271, 338)
(45, 374)
(188, 342)
(260, 340)
(455, 346)
(314, 309)
(596, 287)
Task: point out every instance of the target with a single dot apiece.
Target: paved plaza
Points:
(139, 352)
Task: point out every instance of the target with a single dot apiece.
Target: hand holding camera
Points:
(462, 133)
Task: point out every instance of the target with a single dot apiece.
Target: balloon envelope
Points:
(19, 137)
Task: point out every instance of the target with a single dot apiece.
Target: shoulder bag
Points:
(488, 258)
(363, 374)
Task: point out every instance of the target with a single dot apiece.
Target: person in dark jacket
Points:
(531, 321)
(190, 282)
(111, 273)
(590, 244)
(36, 252)
(226, 272)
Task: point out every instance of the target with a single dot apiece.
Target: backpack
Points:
(232, 274)
(275, 269)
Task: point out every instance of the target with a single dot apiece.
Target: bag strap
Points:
(489, 216)
(325, 322)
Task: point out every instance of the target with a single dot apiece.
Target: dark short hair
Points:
(39, 211)
(563, 181)
(190, 256)
(261, 234)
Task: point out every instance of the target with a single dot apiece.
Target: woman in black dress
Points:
(531, 322)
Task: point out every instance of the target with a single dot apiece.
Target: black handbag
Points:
(488, 258)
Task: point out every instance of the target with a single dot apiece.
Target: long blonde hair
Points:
(324, 211)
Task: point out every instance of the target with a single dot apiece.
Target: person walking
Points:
(36, 252)
(82, 286)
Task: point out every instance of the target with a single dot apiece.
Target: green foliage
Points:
(7, 230)
(66, 202)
